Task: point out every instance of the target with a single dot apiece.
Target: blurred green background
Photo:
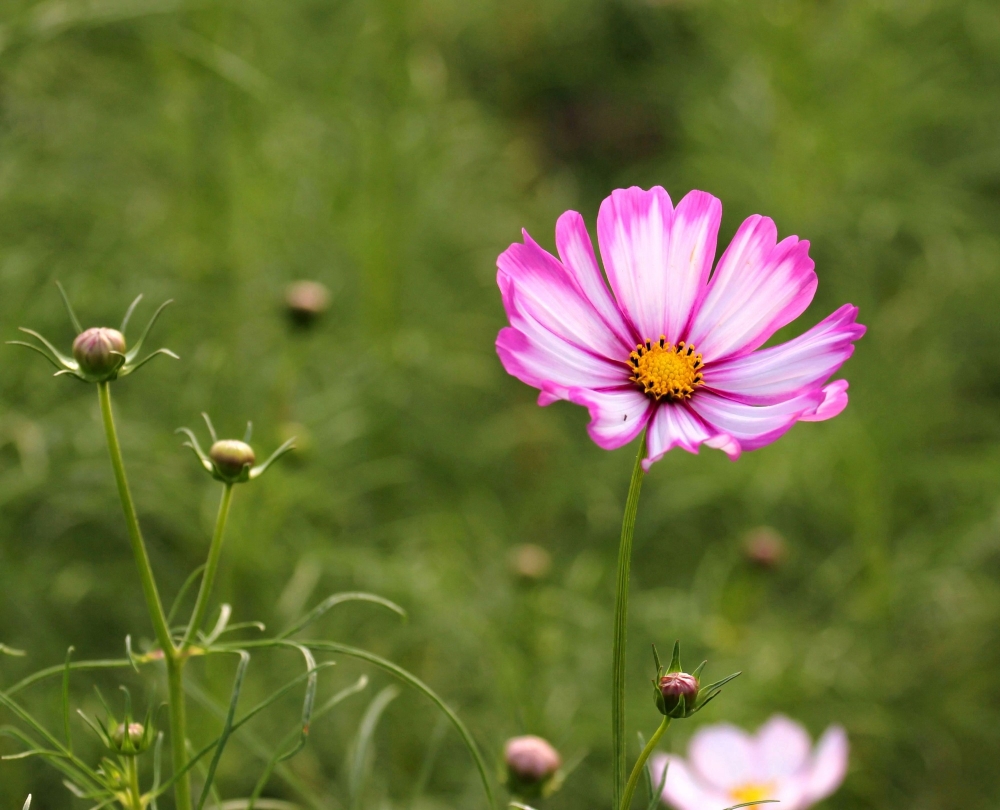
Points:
(214, 151)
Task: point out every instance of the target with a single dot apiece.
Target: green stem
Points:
(633, 780)
(621, 628)
(178, 733)
(211, 566)
(135, 794)
(153, 604)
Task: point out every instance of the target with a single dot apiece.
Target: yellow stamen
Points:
(752, 793)
(666, 371)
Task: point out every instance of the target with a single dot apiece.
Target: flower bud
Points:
(531, 764)
(136, 734)
(764, 547)
(231, 456)
(306, 301)
(673, 686)
(530, 562)
(93, 350)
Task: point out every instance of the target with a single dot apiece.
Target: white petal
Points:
(783, 747)
(682, 789)
(617, 415)
(724, 757)
(673, 425)
(829, 764)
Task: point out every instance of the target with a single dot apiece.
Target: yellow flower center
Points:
(752, 793)
(665, 370)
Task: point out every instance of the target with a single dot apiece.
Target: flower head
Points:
(126, 738)
(672, 347)
(231, 460)
(99, 353)
(306, 301)
(678, 693)
(726, 766)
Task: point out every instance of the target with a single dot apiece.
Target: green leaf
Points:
(227, 729)
(654, 796)
(42, 674)
(128, 313)
(751, 804)
(193, 576)
(5, 650)
(134, 351)
(360, 761)
(338, 599)
(65, 699)
(69, 309)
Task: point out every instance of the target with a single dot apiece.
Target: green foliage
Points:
(213, 152)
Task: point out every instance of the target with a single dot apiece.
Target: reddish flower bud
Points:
(675, 685)
(764, 547)
(231, 456)
(93, 350)
(531, 763)
(306, 301)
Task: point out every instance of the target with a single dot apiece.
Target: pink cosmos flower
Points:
(727, 766)
(667, 347)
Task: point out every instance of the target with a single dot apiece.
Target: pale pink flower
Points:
(726, 766)
(667, 347)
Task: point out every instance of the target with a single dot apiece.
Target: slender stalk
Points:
(135, 794)
(621, 628)
(640, 763)
(153, 604)
(178, 733)
(211, 566)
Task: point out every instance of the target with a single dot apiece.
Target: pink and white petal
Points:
(772, 375)
(673, 425)
(791, 793)
(750, 425)
(834, 401)
(633, 232)
(576, 251)
(682, 789)
(658, 259)
(548, 293)
(829, 764)
(539, 358)
(723, 757)
(758, 287)
(783, 748)
(617, 415)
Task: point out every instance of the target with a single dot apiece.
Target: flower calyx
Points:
(99, 354)
(126, 738)
(231, 461)
(534, 767)
(679, 694)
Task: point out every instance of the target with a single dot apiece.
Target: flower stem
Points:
(640, 763)
(178, 732)
(211, 566)
(621, 627)
(153, 604)
(135, 794)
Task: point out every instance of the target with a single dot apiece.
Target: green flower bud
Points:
(231, 456)
(135, 734)
(99, 350)
(532, 765)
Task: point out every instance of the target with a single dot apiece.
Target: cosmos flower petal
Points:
(783, 748)
(758, 287)
(673, 425)
(723, 756)
(617, 415)
(576, 252)
(829, 764)
(682, 789)
(768, 376)
(834, 401)
(658, 259)
(546, 292)
(541, 359)
(753, 426)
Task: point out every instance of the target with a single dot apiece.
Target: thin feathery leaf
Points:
(42, 674)
(65, 699)
(285, 448)
(227, 729)
(157, 769)
(225, 611)
(5, 650)
(134, 351)
(188, 583)
(655, 796)
(65, 360)
(141, 363)
(69, 309)
(357, 776)
(35, 348)
(752, 804)
(128, 313)
(337, 599)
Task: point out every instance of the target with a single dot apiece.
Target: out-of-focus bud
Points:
(679, 694)
(136, 732)
(673, 687)
(306, 301)
(764, 546)
(532, 766)
(529, 561)
(99, 351)
(231, 456)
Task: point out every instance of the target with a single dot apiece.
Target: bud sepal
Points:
(679, 694)
(99, 353)
(231, 461)
(127, 738)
